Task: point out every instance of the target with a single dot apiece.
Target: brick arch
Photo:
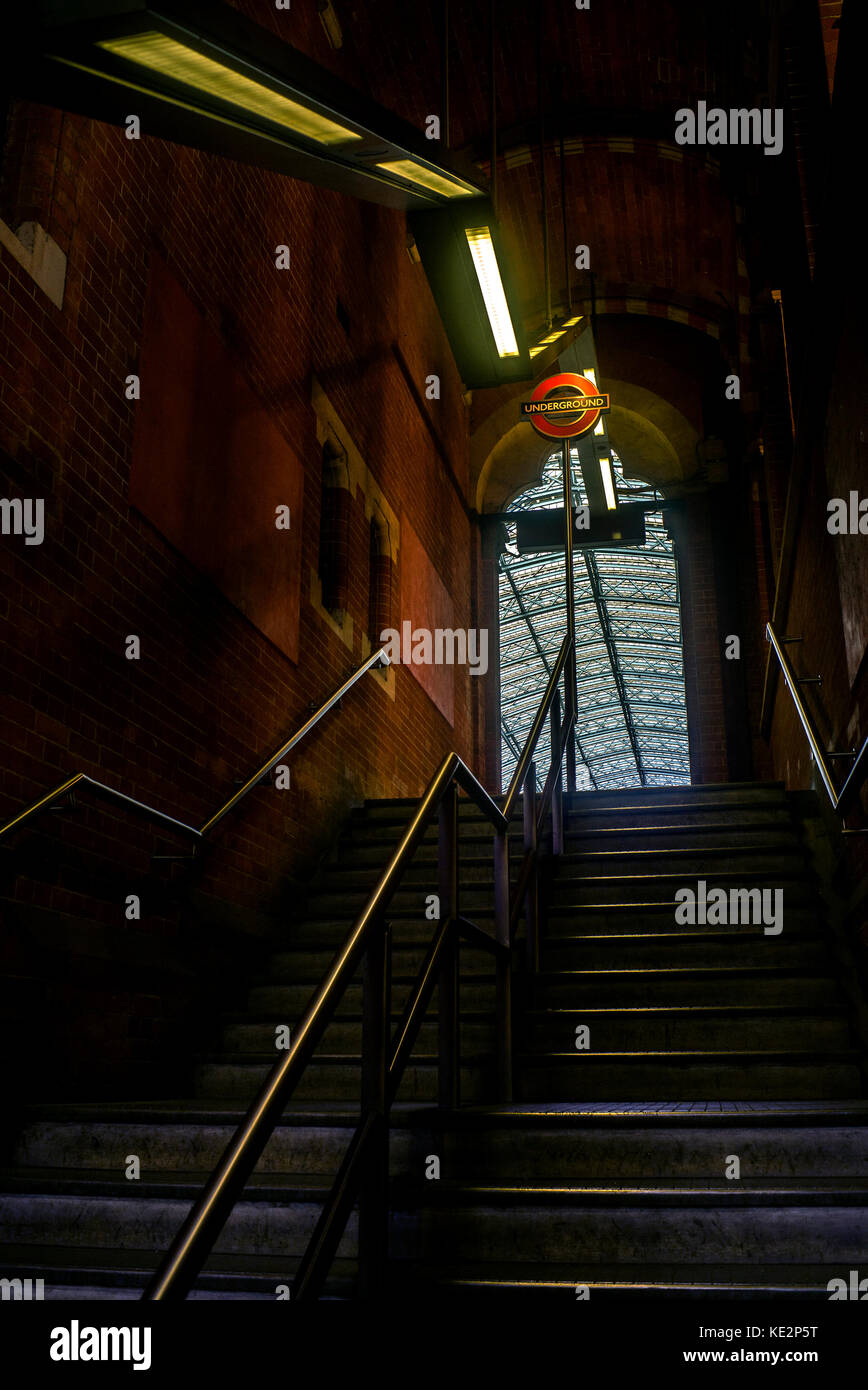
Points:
(657, 373)
(515, 462)
(659, 221)
(650, 435)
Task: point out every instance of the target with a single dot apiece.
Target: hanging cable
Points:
(444, 69)
(492, 82)
(542, 167)
(564, 197)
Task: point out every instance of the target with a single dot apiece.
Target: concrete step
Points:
(311, 960)
(697, 815)
(690, 1075)
(798, 887)
(346, 902)
(181, 1143)
(568, 1229)
(714, 833)
(757, 986)
(72, 1274)
(685, 811)
(685, 1194)
(551, 1282)
(290, 1001)
(147, 1217)
(692, 862)
(577, 1153)
(688, 1028)
(367, 843)
(338, 1077)
(659, 917)
(724, 794)
(704, 949)
(349, 876)
(478, 1034)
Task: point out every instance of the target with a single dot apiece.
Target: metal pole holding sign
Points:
(571, 701)
(564, 407)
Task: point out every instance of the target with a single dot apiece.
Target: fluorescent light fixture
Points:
(160, 53)
(468, 269)
(488, 274)
(427, 178)
(599, 427)
(608, 482)
(217, 81)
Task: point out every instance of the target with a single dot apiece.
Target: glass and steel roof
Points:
(632, 717)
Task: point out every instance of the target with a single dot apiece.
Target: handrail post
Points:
(449, 1063)
(807, 722)
(373, 1239)
(558, 794)
(571, 764)
(531, 901)
(504, 966)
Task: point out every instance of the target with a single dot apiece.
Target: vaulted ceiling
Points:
(658, 218)
(671, 230)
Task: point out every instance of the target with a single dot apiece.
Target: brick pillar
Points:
(689, 524)
(380, 584)
(492, 542)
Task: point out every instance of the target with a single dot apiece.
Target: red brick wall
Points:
(210, 696)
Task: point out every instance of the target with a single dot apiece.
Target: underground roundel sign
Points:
(564, 406)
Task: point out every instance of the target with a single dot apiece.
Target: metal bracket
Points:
(67, 804)
(809, 680)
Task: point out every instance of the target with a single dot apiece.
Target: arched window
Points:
(334, 530)
(380, 579)
(632, 715)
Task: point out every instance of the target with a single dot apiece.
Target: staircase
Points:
(712, 1050)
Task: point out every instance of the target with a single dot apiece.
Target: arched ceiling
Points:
(659, 219)
(664, 224)
(656, 373)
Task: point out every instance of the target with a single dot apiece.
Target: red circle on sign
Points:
(565, 428)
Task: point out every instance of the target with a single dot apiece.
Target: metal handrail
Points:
(379, 657)
(840, 798)
(180, 1266)
(536, 727)
(196, 1237)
